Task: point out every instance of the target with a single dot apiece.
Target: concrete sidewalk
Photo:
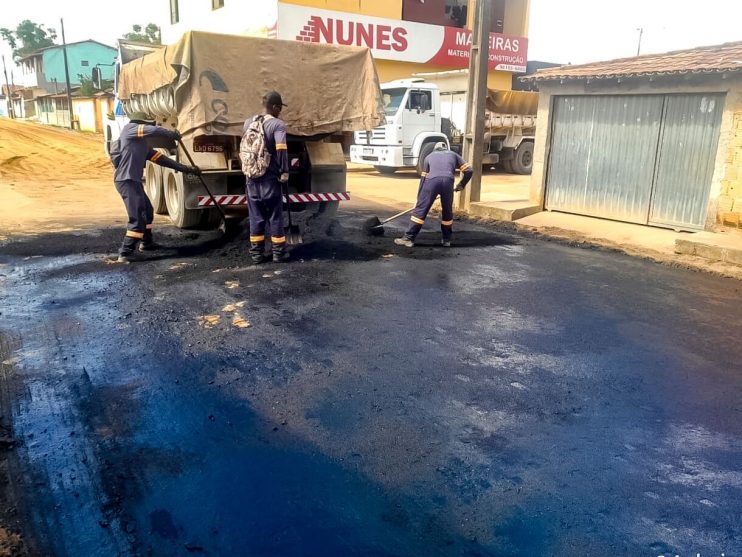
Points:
(718, 251)
(505, 197)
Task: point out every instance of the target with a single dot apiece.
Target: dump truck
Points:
(206, 85)
(419, 114)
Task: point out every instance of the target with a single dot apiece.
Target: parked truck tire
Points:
(153, 184)
(425, 150)
(175, 196)
(386, 170)
(522, 162)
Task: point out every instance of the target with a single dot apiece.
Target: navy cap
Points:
(273, 98)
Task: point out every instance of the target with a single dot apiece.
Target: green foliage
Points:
(28, 37)
(87, 88)
(150, 35)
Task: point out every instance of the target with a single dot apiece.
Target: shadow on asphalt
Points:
(348, 244)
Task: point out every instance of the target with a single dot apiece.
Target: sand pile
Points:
(39, 153)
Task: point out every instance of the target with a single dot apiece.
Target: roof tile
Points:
(707, 59)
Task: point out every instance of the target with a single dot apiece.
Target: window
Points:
(421, 101)
(174, 14)
(216, 4)
(392, 99)
(450, 13)
(84, 63)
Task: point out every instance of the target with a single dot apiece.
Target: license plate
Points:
(207, 148)
(368, 151)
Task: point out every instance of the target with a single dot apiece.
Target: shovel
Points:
(293, 234)
(375, 227)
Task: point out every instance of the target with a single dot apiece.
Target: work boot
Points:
(124, 259)
(446, 243)
(257, 252)
(280, 256)
(152, 246)
(404, 241)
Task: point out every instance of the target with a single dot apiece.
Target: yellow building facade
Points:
(511, 20)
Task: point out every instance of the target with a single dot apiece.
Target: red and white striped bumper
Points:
(206, 201)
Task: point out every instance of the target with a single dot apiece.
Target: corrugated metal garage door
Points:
(690, 138)
(612, 157)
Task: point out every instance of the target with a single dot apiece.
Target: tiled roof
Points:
(722, 58)
(41, 50)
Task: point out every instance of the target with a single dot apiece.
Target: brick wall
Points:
(730, 200)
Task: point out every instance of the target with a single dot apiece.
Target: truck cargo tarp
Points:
(512, 102)
(219, 81)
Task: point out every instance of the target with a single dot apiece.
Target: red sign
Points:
(405, 41)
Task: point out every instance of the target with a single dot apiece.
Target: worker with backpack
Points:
(265, 163)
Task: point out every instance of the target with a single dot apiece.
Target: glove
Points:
(284, 178)
(196, 171)
(176, 135)
(458, 188)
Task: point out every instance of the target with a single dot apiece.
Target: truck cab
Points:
(413, 115)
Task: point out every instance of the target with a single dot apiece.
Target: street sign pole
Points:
(476, 97)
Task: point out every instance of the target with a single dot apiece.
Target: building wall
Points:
(726, 182)
(241, 17)
(259, 17)
(92, 53)
(391, 9)
(84, 110)
(730, 187)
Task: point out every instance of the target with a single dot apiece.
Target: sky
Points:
(564, 31)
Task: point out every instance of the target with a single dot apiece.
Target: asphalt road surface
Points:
(507, 396)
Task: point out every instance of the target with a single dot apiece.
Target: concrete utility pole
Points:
(11, 111)
(476, 97)
(639, 46)
(67, 75)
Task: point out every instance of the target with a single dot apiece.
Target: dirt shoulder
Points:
(53, 180)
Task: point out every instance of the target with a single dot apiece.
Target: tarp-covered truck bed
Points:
(217, 81)
(208, 84)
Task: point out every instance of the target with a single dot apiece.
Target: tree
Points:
(150, 35)
(87, 87)
(30, 36)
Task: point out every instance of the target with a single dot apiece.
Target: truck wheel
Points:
(425, 150)
(523, 158)
(154, 187)
(387, 170)
(175, 200)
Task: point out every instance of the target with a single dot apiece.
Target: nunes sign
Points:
(391, 39)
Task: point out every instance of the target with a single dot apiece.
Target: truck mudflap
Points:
(235, 200)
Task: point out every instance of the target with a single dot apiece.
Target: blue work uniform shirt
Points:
(443, 164)
(134, 151)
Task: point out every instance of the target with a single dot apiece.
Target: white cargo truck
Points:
(419, 114)
(206, 85)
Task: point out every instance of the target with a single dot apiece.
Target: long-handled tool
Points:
(293, 233)
(375, 227)
(203, 182)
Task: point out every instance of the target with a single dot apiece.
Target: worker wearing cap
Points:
(264, 195)
(437, 180)
(129, 158)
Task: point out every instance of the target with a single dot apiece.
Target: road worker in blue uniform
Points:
(129, 159)
(437, 180)
(264, 194)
